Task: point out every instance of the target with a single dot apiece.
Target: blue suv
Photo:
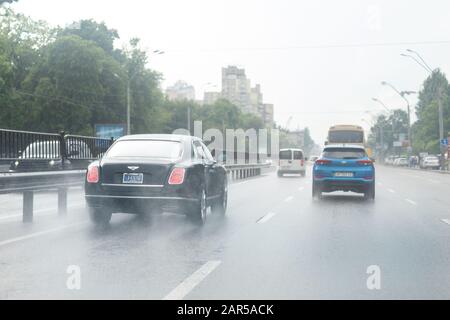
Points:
(344, 168)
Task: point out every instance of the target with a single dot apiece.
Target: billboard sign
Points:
(108, 131)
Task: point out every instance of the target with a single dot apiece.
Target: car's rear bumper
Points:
(139, 204)
(291, 171)
(358, 185)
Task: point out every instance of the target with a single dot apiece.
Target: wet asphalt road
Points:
(274, 243)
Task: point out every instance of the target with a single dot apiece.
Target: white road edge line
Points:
(301, 188)
(183, 289)
(48, 212)
(447, 221)
(412, 202)
(41, 233)
(391, 190)
(266, 218)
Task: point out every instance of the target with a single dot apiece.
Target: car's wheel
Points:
(198, 210)
(303, 173)
(100, 216)
(220, 205)
(280, 174)
(370, 193)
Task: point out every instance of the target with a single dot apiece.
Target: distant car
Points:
(401, 162)
(430, 162)
(143, 174)
(46, 156)
(292, 161)
(344, 168)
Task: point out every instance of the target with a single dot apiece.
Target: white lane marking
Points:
(266, 218)
(380, 184)
(289, 199)
(41, 233)
(391, 190)
(433, 181)
(412, 202)
(447, 221)
(183, 289)
(301, 189)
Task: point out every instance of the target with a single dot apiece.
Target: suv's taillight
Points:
(322, 162)
(93, 175)
(365, 162)
(302, 162)
(177, 176)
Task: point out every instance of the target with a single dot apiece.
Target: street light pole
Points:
(128, 107)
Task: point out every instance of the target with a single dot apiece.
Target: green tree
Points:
(426, 129)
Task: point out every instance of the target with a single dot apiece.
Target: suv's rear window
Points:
(286, 155)
(344, 153)
(153, 149)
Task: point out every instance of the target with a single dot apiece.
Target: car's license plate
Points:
(344, 174)
(133, 178)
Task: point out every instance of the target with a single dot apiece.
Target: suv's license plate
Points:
(133, 178)
(344, 174)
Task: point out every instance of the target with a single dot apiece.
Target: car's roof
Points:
(293, 149)
(344, 145)
(168, 137)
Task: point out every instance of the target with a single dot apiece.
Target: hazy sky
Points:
(316, 60)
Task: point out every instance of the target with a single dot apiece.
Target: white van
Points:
(291, 161)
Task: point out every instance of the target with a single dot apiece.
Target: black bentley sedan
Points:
(146, 174)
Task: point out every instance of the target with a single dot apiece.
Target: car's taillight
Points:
(322, 162)
(365, 162)
(177, 176)
(302, 162)
(93, 175)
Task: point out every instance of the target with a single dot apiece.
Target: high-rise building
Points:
(236, 88)
(180, 91)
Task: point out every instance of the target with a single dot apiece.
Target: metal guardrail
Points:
(30, 182)
(244, 171)
(22, 151)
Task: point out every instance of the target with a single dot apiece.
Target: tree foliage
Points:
(72, 78)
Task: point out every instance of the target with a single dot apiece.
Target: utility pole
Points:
(128, 107)
(189, 119)
(441, 127)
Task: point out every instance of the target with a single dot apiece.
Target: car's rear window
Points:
(150, 149)
(286, 155)
(344, 153)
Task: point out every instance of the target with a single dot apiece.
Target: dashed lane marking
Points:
(289, 199)
(183, 289)
(266, 218)
(411, 202)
